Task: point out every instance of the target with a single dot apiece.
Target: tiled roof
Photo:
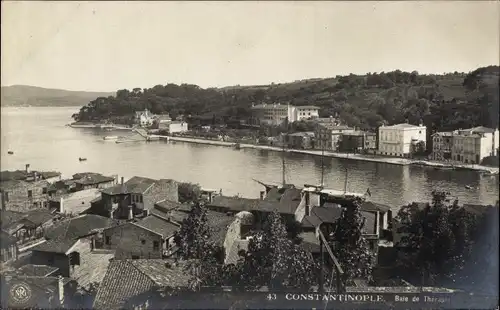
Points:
(372, 206)
(307, 107)
(482, 129)
(90, 178)
(302, 134)
(218, 222)
(8, 218)
(237, 204)
(167, 205)
(39, 217)
(402, 126)
(476, 209)
(6, 239)
(64, 235)
(136, 185)
(328, 213)
(37, 270)
(158, 225)
(93, 267)
(127, 278)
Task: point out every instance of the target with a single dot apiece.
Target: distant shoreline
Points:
(386, 160)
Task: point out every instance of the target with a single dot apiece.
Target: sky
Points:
(106, 46)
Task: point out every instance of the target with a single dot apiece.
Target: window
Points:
(44, 190)
(156, 245)
(74, 259)
(143, 241)
(6, 196)
(135, 257)
(140, 199)
(108, 240)
(30, 194)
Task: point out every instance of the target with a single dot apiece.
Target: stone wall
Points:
(131, 240)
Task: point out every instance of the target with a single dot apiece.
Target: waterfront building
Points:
(276, 114)
(89, 180)
(442, 144)
(144, 118)
(300, 140)
(357, 142)
(328, 134)
(176, 127)
(401, 140)
(471, 146)
(162, 121)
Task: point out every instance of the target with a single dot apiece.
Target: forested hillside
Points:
(442, 102)
(26, 96)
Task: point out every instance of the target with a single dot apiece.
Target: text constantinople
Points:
(336, 297)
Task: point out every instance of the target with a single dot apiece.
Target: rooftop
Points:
(302, 134)
(309, 242)
(334, 126)
(219, 223)
(37, 270)
(23, 175)
(136, 185)
(312, 107)
(372, 206)
(270, 106)
(237, 204)
(127, 278)
(91, 178)
(158, 225)
(328, 213)
(65, 234)
(77, 202)
(93, 267)
(402, 126)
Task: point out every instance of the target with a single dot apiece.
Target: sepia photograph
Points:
(249, 155)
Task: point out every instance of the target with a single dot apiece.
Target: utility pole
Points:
(322, 163)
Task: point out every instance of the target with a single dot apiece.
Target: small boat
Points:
(82, 159)
(469, 187)
(10, 153)
(110, 138)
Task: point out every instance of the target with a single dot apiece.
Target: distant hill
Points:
(441, 101)
(25, 96)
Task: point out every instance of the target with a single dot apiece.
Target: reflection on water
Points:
(39, 136)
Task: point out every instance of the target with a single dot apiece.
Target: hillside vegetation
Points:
(442, 102)
(25, 96)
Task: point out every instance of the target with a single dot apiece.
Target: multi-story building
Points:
(357, 141)
(401, 139)
(276, 114)
(176, 126)
(144, 118)
(327, 135)
(471, 146)
(305, 112)
(442, 143)
(300, 140)
(272, 114)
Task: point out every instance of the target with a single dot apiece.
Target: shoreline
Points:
(385, 160)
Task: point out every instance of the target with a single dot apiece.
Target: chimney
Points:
(308, 211)
(130, 213)
(122, 181)
(61, 205)
(262, 195)
(60, 285)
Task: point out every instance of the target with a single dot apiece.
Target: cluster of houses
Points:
(468, 146)
(162, 122)
(94, 229)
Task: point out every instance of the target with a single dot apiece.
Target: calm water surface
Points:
(38, 136)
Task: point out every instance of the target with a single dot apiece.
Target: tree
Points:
(349, 246)
(189, 192)
(437, 240)
(273, 259)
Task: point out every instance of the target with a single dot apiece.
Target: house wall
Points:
(84, 247)
(273, 114)
(17, 198)
(472, 148)
(160, 191)
(127, 241)
(102, 185)
(305, 113)
(178, 127)
(396, 141)
(8, 253)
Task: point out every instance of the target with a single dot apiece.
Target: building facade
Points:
(471, 146)
(401, 139)
(442, 144)
(276, 114)
(300, 140)
(328, 135)
(144, 118)
(305, 112)
(357, 142)
(177, 126)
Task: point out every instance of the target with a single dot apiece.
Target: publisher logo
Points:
(20, 293)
